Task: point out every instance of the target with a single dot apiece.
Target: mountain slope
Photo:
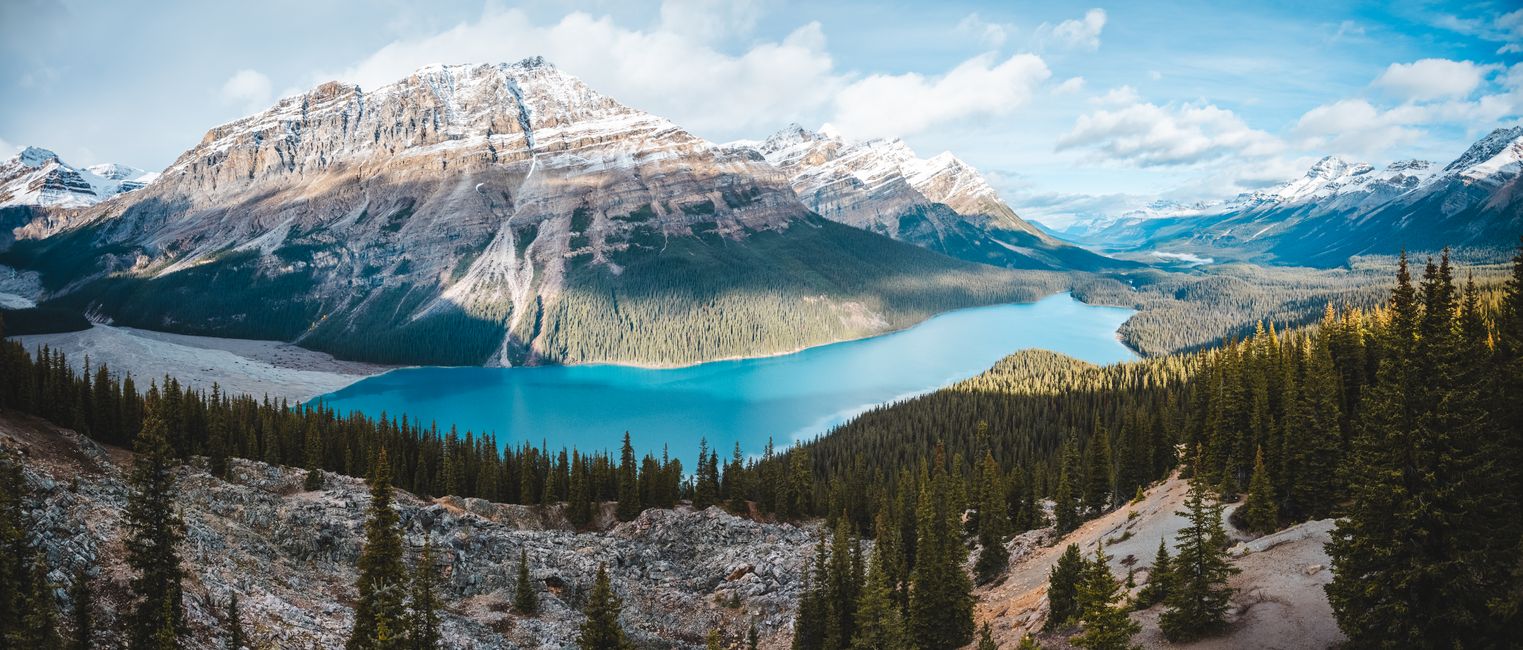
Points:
(1339, 209)
(500, 214)
(940, 203)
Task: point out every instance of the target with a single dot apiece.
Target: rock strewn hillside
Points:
(290, 555)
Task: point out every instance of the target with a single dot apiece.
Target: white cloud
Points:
(988, 34)
(672, 74)
(709, 20)
(1081, 33)
(1431, 79)
(1069, 86)
(1358, 127)
(1118, 96)
(6, 148)
(249, 89)
(674, 71)
(1147, 135)
(895, 105)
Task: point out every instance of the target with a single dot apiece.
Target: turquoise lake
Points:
(789, 397)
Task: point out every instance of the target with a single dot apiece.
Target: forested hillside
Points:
(1401, 421)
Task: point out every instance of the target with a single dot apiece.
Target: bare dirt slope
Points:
(1279, 602)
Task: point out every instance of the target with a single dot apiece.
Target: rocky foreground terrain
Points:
(290, 554)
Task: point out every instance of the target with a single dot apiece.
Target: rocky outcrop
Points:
(290, 554)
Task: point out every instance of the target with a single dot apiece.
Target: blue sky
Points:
(1070, 109)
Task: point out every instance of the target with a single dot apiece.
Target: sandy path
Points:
(259, 368)
(1279, 602)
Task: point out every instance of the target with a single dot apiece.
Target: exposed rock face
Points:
(36, 177)
(941, 203)
(290, 555)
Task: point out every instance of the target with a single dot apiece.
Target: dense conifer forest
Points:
(1401, 420)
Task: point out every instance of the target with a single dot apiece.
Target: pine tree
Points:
(602, 630)
(752, 639)
(235, 639)
(1097, 475)
(1064, 507)
(1028, 643)
(1160, 579)
(314, 459)
(82, 610)
(423, 633)
(14, 549)
(217, 442)
(1259, 510)
(941, 603)
(712, 641)
(993, 523)
(1197, 604)
(40, 622)
(379, 616)
(579, 504)
(1063, 589)
(986, 638)
(629, 485)
(525, 600)
(812, 618)
(880, 622)
(841, 588)
(154, 529)
(1105, 621)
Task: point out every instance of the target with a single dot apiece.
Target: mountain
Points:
(1339, 209)
(942, 203)
(473, 214)
(37, 177)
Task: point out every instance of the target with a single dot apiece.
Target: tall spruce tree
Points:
(1063, 589)
(629, 485)
(1103, 613)
(39, 623)
(525, 599)
(602, 631)
(993, 523)
(423, 627)
(380, 617)
(842, 587)
(941, 602)
(15, 552)
(812, 618)
(1160, 579)
(1197, 604)
(880, 621)
(235, 639)
(82, 611)
(154, 529)
(1260, 513)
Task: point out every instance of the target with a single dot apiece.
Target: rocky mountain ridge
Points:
(504, 214)
(940, 203)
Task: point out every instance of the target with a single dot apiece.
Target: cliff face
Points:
(290, 555)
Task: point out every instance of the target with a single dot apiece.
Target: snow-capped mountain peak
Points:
(1495, 143)
(37, 176)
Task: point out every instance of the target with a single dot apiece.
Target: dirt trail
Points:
(1279, 602)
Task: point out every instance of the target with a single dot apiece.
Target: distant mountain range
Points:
(37, 177)
(1339, 209)
(510, 214)
(943, 204)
